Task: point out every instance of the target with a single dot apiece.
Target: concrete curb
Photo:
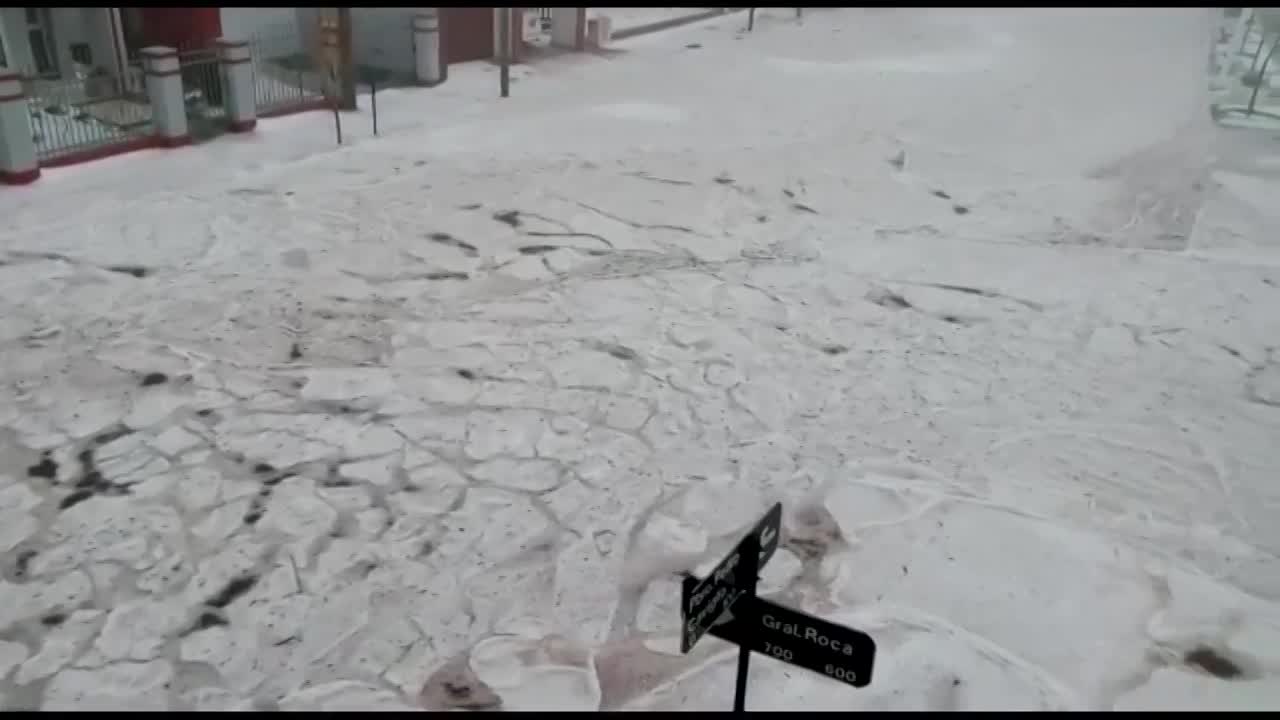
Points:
(672, 23)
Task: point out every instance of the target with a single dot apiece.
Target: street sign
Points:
(725, 604)
(704, 601)
(798, 639)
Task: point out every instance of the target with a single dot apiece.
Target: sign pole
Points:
(748, 575)
(504, 40)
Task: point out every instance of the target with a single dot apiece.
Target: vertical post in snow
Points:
(751, 19)
(504, 51)
(748, 573)
(373, 100)
(1248, 28)
(444, 31)
(799, 12)
(1241, 24)
(1262, 44)
(1262, 73)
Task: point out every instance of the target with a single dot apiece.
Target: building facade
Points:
(54, 42)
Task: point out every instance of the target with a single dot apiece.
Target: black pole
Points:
(440, 53)
(373, 100)
(337, 121)
(751, 19)
(1262, 45)
(747, 574)
(1262, 75)
(740, 686)
(504, 57)
(1248, 28)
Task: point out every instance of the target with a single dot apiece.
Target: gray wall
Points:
(380, 37)
(383, 37)
(277, 30)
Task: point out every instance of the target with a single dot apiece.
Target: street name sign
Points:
(703, 602)
(725, 604)
(799, 639)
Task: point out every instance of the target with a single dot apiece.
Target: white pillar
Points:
(164, 90)
(19, 164)
(426, 47)
(565, 29)
(237, 84)
(599, 32)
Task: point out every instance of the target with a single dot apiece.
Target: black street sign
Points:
(798, 639)
(728, 596)
(703, 601)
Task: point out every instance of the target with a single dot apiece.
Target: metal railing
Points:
(285, 73)
(80, 114)
(134, 82)
(203, 92)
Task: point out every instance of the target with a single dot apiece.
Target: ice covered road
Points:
(434, 419)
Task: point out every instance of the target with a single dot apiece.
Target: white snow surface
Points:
(628, 18)
(982, 296)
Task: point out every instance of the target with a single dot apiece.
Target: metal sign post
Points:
(748, 579)
(504, 52)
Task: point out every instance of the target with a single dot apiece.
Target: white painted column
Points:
(565, 28)
(164, 89)
(426, 47)
(19, 164)
(599, 32)
(237, 84)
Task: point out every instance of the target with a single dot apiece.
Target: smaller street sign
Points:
(703, 602)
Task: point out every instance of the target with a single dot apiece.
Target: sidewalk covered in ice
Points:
(435, 419)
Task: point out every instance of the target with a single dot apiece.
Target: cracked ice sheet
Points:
(1022, 474)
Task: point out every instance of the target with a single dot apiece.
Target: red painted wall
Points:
(182, 28)
(466, 33)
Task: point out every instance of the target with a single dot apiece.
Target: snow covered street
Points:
(437, 419)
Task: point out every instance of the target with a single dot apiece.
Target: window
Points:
(4, 46)
(81, 53)
(41, 41)
(40, 52)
